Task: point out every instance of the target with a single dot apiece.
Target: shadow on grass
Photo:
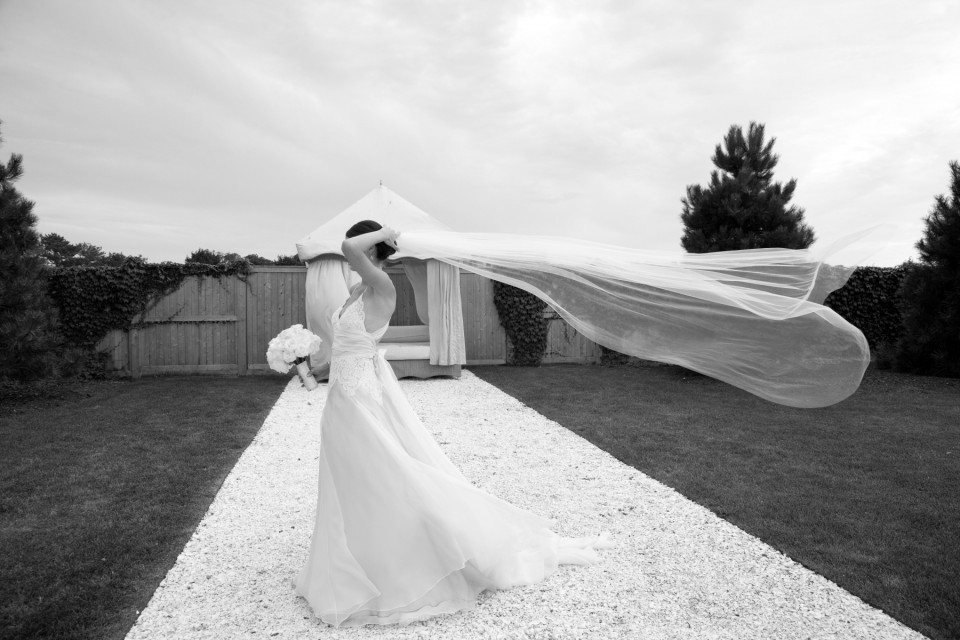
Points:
(865, 493)
(102, 485)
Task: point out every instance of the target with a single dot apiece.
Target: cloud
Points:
(241, 126)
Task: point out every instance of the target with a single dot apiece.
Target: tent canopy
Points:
(381, 205)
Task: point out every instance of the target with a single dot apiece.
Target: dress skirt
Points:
(400, 533)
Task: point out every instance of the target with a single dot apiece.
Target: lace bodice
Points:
(354, 355)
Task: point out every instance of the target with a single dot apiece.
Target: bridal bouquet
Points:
(293, 346)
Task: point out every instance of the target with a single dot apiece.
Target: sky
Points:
(158, 127)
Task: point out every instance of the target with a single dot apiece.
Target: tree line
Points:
(741, 207)
(58, 252)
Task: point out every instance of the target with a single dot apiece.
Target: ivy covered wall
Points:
(95, 300)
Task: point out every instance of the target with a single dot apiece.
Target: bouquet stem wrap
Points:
(750, 318)
(303, 370)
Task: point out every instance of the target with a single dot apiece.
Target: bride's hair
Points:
(384, 250)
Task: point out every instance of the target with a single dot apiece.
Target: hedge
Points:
(521, 315)
(869, 301)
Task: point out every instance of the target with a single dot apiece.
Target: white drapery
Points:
(749, 318)
(445, 318)
(328, 284)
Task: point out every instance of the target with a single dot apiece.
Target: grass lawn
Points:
(866, 492)
(101, 485)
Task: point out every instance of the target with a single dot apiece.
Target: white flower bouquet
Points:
(293, 346)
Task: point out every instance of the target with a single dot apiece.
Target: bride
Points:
(400, 533)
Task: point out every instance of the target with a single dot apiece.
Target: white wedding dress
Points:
(400, 533)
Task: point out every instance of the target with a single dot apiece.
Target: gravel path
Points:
(678, 571)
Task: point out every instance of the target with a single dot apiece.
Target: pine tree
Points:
(930, 293)
(28, 335)
(742, 208)
(57, 250)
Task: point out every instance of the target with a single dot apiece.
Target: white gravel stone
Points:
(678, 570)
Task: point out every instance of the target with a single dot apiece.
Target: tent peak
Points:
(380, 204)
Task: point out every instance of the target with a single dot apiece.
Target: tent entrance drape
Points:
(433, 344)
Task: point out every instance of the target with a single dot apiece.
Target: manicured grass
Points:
(101, 485)
(866, 492)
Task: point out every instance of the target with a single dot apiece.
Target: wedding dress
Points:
(400, 533)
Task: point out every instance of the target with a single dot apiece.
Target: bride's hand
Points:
(392, 236)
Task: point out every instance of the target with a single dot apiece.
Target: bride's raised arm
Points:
(357, 251)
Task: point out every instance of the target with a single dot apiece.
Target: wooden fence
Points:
(223, 325)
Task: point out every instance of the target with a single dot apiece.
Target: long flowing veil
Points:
(750, 318)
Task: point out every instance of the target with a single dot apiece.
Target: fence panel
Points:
(485, 339)
(566, 344)
(275, 300)
(223, 325)
(192, 330)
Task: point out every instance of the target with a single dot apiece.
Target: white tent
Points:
(434, 348)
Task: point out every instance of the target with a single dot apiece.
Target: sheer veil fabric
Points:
(750, 318)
